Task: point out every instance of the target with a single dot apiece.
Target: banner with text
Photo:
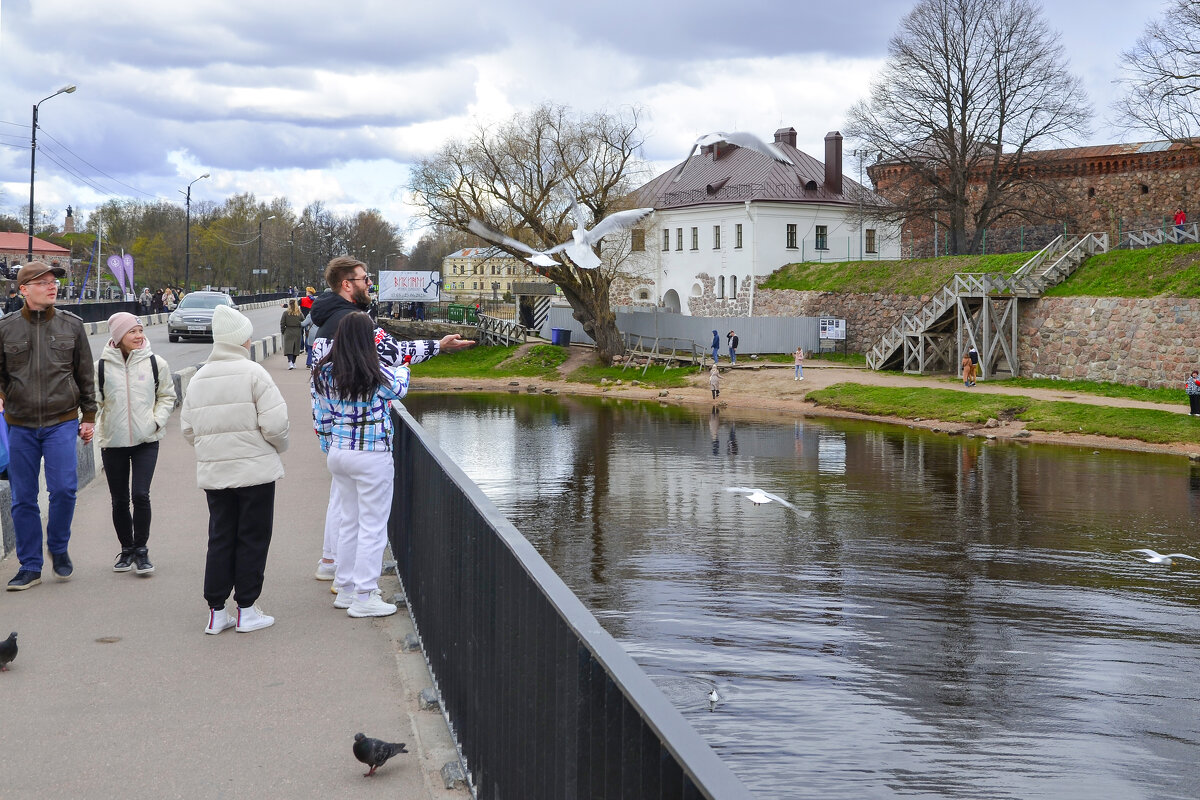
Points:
(405, 287)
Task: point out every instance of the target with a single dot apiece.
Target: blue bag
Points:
(3, 448)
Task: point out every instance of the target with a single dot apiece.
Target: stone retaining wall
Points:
(1144, 341)
(868, 316)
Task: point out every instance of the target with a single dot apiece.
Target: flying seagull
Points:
(8, 651)
(1153, 557)
(583, 240)
(740, 138)
(538, 258)
(375, 752)
(758, 497)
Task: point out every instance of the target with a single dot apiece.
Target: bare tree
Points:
(1162, 75)
(969, 88)
(519, 178)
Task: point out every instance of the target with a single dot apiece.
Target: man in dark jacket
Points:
(46, 381)
(13, 302)
(349, 282)
(732, 339)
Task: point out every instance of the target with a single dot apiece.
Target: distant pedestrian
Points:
(973, 354)
(798, 356)
(13, 302)
(1180, 219)
(146, 301)
(235, 417)
(716, 346)
(966, 370)
(290, 325)
(732, 339)
(714, 381)
(137, 396)
(1193, 393)
(306, 302)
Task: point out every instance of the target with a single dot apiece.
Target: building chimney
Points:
(833, 162)
(786, 136)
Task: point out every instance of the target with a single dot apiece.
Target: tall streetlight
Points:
(260, 222)
(187, 237)
(33, 158)
(292, 251)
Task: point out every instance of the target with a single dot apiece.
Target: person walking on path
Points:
(798, 357)
(966, 370)
(168, 299)
(348, 283)
(716, 346)
(237, 420)
(46, 383)
(732, 338)
(293, 334)
(306, 302)
(352, 396)
(146, 300)
(1180, 219)
(973, 354)
(137, 396)
(1193, 392)
(714, 381)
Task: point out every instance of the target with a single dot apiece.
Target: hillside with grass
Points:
(911, 276)
(1168, 269)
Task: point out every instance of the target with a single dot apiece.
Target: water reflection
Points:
(955, 620)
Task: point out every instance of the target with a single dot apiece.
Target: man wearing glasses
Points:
(46, 381)
(348, 279)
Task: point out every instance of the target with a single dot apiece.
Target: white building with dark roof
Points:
(732, 215)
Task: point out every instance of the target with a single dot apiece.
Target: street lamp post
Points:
(259, 268)
(33, 158)
(292, 252)
(187, 237)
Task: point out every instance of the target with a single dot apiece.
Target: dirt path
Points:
(758, 389)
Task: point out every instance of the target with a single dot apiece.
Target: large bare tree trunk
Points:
(588, 293)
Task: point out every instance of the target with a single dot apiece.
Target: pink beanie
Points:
(120, 324)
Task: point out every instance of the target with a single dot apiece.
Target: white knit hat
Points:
(230, 326)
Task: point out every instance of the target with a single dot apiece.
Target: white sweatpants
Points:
(333, 524)
(363, 486)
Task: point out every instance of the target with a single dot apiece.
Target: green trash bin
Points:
(455, 313)
(472, 317)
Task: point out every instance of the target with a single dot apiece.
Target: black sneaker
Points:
(124, 561)
(24, 579)
(63, 568)
(141, 558)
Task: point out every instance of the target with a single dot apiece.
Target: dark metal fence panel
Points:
(99, 312)
(542, 701)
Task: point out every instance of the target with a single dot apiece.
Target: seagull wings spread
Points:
(617, 222)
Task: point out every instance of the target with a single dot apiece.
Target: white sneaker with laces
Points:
(219, 620)
(251, 618)
(373, 606)
(345, 598)
(325, 572)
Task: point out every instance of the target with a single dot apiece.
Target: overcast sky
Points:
(332, 101)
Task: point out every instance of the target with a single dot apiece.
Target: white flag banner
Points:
(405, 287)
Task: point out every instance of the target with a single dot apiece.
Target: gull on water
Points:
(758, 497)
(713, 697)
(538, 258)
(1153, 557)
(583, 240)
(740, 138)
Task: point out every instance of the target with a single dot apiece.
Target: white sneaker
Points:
(251, 618)
(219, 620)
(345, 598)
(373, 606)
(325, 572)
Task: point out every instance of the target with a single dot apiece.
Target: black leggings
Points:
(119, 462)
(1194, 400)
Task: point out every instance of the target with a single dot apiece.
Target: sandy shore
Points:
(769, 391)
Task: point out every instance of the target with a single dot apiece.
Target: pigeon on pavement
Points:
(375, 752)
(8, 651)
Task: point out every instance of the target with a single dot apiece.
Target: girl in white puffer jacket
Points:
(136, 396)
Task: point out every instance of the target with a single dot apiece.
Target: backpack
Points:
(100, 376)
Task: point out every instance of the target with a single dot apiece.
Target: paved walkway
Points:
(117, 691)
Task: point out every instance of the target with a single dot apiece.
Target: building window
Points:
(716, 237)
(637, 240)
(643, 294)
(720, 287)
(791, 237)
(733, 287)
(870, 237)
(666, 239)
(679, 238)
(822, 237)
(737, 236)
(695, 238)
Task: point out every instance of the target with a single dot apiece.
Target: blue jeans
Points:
(799, 370)
(716, 354)
(28, 447)
(732, 356)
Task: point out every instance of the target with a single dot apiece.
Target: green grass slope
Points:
(1168, 269)
(912, 276)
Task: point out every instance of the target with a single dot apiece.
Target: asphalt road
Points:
(191, 352)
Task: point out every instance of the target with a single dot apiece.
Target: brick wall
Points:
(868, 316)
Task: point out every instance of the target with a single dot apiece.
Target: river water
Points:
(956, 618)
